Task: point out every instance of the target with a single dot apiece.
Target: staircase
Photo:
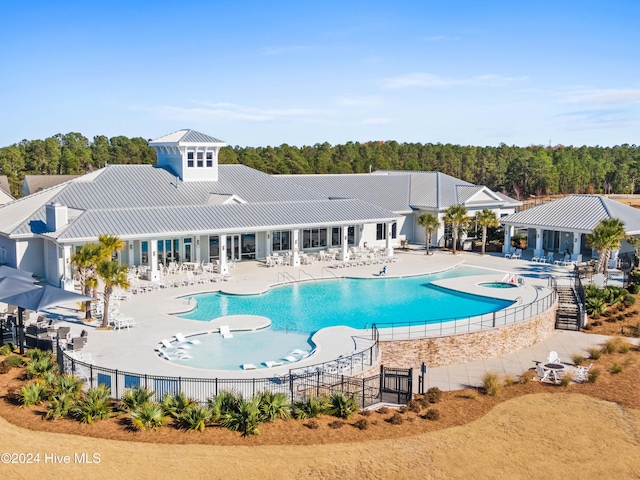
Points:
(568, 314)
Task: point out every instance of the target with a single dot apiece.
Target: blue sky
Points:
(267, 73)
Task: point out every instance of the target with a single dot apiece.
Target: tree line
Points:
(516, 171)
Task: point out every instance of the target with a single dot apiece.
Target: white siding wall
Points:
(30, 254)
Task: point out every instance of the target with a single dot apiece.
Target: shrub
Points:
(616, 367)
(135, 397)
(7, 349)
(36, 354)
(33, 394)
(14, 361)
(342, 406)
(60, 405)
(94, 404)
(470, 393)
(175, 405)
(312, 424)
(595, 324)
(624, 347)
(37, 367)
(383, 410)
(365, 413)
(509, 381)
(634, 288)
(225, 402)
(273, 406)
(434, 394)
(527, 376)
(629, 300)
(609, 347)
(245, 419)
(195, 417)
(566, 379)
(593, 375)
(67, 384)
(361, 424)
(414, 406)
(491, 383)
(395, 419)
(147, 415)
(595, 305)
(432, 414)
(311, 407)
(577, 359)
(594, 353)
(335, 424)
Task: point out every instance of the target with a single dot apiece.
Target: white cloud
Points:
(611, 96)
(283, 49)
(429, 80)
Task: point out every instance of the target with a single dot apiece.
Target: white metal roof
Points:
(186, 136)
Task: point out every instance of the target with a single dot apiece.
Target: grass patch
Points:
(527, 376)
(616, 367)
(624, 347)
(594, 353)
(491, 384)
(577, 359)
(609, 347)
(470, 393)
(566, 379)
(509, 381)
(594, 374)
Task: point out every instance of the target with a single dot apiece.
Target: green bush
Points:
(596, 306)
(38, 366)
(630, 299)
(342, 406)
(7, 349)
(225, 402)
(634, 288)
(147, 415)
(273, 406)
(33, 394)
(245, 419)
(135, 397)
(60, 404)
(432, 414)
(36, 354)
(311, 407)
(593, 375)
(94, 404)
(67, 384)
(434, 394)
(14, 361)
(195, 418)
(491, 384)
(175, 405)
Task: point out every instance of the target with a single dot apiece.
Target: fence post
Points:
(291, 385)
(117, 396)
(494, 320)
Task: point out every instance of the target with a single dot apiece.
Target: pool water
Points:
(310, 306)
(498, 285)
(219, 353)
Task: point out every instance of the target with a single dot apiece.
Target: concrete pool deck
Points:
(133, 349)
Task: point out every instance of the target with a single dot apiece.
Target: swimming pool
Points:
(310, 306)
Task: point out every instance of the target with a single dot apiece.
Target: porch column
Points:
(295, 258)
(224, 265)
(613, 261)
(577, 247)
(195, 249)
(538, 252)
(67, 271)
(154, 273)
(269, 245)
(131, 259)
(344, 253)
(508, 233)
(388, 242)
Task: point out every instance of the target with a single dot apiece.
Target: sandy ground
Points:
(541, 436)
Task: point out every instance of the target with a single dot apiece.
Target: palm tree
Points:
(430, 223)
(486, 218)
(606, 237)
(456, 216)
(85, 260)
(114, 275)
(110, 244)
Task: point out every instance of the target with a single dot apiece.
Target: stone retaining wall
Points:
(468, 347)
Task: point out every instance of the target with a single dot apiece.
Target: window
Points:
(200, 157)
(281, 241)
(380, 231)
(314, 238)
(214, 248)
(336, 236)
(394, 230)
(351, 236)
(209, 159)
(190, 159)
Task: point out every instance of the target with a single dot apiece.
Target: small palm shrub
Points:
(395, 419)
(224, 403)
(595, 306)
(616, 367)
(94, 404)
(33, 394)
(361, 424)
(14, 361)
(36, 354)
(491, 384)
(273, 406)
(594, 353)
(37, 367)
(310, 407)
(432, 414)
(245, 419)
(629, 300)
(7, 349)
(195, 418)
(593, 375)
(60, 404)
(577, 359)
(342, 406)
(148, 415)
(135, 397)
(67, 384)
(175, 405)
(434, 394)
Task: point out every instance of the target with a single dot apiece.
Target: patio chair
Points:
(553, 357)
(550, 258)
(182, 339)
(248, 366)
(272, 363)
(225, 332)
(541, 258)
(581, 373)
(517, 254)
(543, 374)
(291, 358)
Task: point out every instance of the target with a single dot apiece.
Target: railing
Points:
(286, 277)
(326, 269)
(300, 272)
(457, 325)
(582, 301)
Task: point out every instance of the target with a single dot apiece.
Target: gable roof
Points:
(36, 183)
(4, 184)
(185, 136)
(580, 213)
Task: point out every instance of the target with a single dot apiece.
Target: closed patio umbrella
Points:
(37, 298)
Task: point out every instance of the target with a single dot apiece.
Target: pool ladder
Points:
(286, 277)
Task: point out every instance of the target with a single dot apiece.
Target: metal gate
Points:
(396, 385)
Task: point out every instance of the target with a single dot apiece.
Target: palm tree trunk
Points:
(454, 235)
(605, 263)
(105, 313)
(428, 235)
(484, 239)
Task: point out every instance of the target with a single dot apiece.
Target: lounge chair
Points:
(225, 332)
(166, 344)
(271, 364)
(297, 351)
(517, 254)
(291, 358)
(541, 258)
(581, 373)
(248, 366)
(182, 339)
(543, 375)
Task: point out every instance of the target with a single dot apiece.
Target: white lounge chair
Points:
(543, 374)
(553, 357)
(166, 344)
(225, 332)
(248, 366)
(291, 358)
(297, 351)
(272, 363)
(182, 339)
(541, 258)
(517, 254)
(581, 373)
